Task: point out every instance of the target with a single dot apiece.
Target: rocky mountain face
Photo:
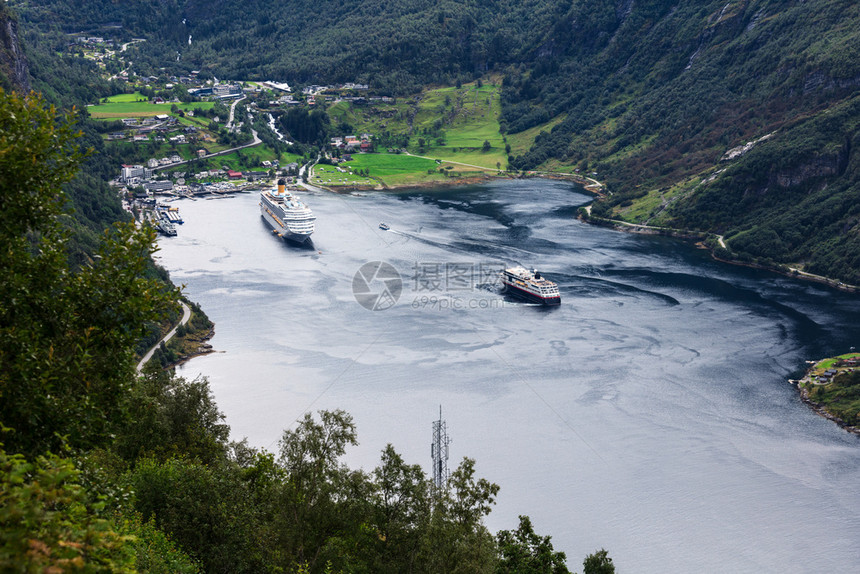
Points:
(14, 72)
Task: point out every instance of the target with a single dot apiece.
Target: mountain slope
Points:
(724, 78)
(650, 94)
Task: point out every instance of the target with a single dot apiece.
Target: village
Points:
(192, 134)
(196, 135)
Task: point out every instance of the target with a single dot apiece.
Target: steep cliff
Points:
(14, 73)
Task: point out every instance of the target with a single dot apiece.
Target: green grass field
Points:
(135, 106)
(841, 396)
(471, 160)
(469, 116)
(384, 168)
(463, 118)
(828, 363)
(126, 98)
(390, 164)
(331, 176)
(521, 142)
(197, 122)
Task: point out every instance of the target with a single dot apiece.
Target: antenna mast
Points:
(439, 452)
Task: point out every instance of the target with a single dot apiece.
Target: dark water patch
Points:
(749, 295)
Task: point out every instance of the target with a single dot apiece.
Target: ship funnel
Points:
(281, 185)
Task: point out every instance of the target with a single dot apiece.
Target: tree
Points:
(49, 523)
(598, 563)
(487, 146)
(321, 503)
(524, 552)
(66, 336)
(171, 416)
(456, 540)
(206, 509)
(401, 511)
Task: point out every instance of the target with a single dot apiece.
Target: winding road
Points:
(186, 315)
(255, 141)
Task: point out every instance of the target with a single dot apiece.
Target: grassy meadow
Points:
(337, 176)
(452, 123)
(136, 106)
(381, 169)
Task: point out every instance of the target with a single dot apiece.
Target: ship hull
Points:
(281, 230)
(531, 297)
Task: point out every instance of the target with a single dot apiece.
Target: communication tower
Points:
(439, 452)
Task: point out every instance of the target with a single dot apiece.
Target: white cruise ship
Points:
(529, 285)
(288, 216)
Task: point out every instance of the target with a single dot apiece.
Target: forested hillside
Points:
(645, 93)
(648, 94)
(396, 45)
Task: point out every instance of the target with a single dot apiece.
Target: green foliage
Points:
(171, 417)
(306, 126)
(598, 563)
(49, 523)
(154, 551)
(306, 511)
(316, 483)
(791, 199)
(525, 552)
(204, 508)
(456, 539)
(65, 337)
(401, 507)
(841, 397)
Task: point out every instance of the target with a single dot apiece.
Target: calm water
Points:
(649, 414)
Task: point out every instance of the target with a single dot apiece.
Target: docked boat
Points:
(173, 214)
(384, 226)
(170, 214)
(165, 227)
(531, 286)
(286, 214)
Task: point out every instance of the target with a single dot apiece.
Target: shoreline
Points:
(593, 187)
(201, 347)
(626, 227)
(840, 364)
(702, 236)
(459, 182)
(821, 410)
